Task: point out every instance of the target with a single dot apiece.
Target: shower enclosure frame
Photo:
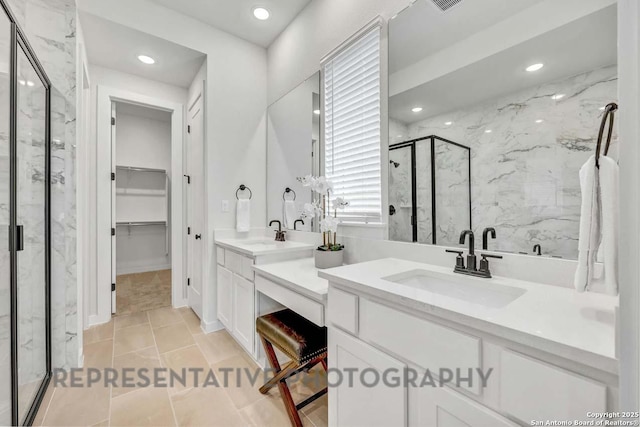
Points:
(414, 184)
(19, 41)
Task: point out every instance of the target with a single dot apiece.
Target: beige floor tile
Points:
(132, 339)
(78, 406)
(183, 359)
(242, 393)
(164, 316)
(44, 405)
(144, 407)
(98, 333)
(208, 406)
(173, 337)
(218, 346)
(268, 413)
(318, 412)
(191, 319)
(98, 355)
(145, 358)
(130, 320)
(103, 423)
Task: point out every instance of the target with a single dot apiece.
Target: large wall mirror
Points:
(293, 151)
(490, 121)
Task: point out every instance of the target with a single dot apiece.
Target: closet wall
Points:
(143, 140)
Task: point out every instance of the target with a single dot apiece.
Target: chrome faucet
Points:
(279, 233)
(471, 268)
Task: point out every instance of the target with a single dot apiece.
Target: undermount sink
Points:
(476, 291)
(259, 242)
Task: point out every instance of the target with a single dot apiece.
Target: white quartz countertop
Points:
(262, 246)
(301, 275)
(577, 326)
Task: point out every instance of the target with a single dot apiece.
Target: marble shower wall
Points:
(50, 26)
(524, 173)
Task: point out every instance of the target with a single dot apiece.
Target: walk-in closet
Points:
(141, 157)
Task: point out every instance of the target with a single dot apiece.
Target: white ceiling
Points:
(582, 45)
(236, 16)
(422, 29)
(117, 47)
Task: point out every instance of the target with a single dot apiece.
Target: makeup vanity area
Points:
(503, 156)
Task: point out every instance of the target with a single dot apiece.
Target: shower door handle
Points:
(19, 238)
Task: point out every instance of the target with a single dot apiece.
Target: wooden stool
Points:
(302, 341)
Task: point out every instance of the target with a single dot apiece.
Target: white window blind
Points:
(352, 128)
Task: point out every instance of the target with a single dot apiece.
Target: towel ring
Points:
(287, 191)
(609, 113)
(242, 188)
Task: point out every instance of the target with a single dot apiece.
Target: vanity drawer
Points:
(220, 255)
(302, 305)
(233, 261)
(343, 310)
(533, 390)
(247, 268)
(421, 342)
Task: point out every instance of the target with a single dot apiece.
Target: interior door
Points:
(195, 204)
(113, 207)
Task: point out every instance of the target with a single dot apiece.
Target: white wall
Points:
(235, 104)
(321, 27)
(142, 142)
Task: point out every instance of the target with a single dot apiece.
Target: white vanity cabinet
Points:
(525, 385)
(236, 300)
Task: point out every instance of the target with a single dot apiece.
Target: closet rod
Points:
(138, 169)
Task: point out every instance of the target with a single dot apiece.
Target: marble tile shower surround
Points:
(50, 26)
(525, 174)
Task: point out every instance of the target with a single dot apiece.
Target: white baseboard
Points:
(95, 320)
(208, 327)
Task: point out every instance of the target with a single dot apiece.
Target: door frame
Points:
(105, 96)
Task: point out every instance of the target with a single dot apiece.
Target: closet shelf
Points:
(140, 169)
(140, 223)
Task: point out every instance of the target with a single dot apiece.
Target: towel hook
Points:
(287, 191)
(243, 188)
(609, 113)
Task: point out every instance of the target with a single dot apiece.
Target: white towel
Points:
(243, 215)
(290, 214)
(598, 224)
(609, 196)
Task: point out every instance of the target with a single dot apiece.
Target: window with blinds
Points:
(352, 128)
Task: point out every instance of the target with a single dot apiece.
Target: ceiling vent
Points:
(445, 5)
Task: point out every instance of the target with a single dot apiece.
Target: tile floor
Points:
(168, 337)
(139, 292)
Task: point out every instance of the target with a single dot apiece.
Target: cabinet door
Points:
(358, 403)
(225, 306)
(443, 407)
(244, 312)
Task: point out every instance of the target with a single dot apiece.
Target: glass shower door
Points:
(5, 254)
(31, 172)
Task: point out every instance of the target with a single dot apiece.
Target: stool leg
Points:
(289, 404)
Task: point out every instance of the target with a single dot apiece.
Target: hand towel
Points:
(243, 215)
(609, 207)
(589, 238)
(290, 214)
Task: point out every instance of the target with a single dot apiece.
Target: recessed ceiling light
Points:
(416, 109)
(146, 59)
(601, 108)
(534, 67)
(557, 96)
(399, 136)
(30, 83)
(448, 123)
(22, 82)
(316, 112)
(261, 13)
(488, 131)
(539, 121)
